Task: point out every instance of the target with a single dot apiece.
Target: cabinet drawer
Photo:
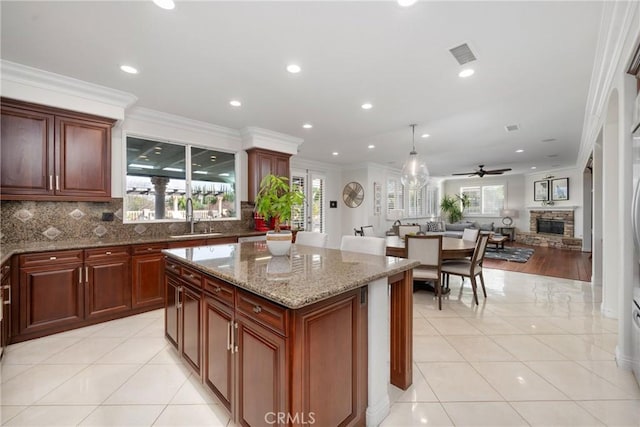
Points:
(219, 290)
(106, 253)
(191, 276)
(44, 258)
(172, 266)
(262, 311)
(151, 248)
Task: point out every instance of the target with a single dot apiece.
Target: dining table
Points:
(452, 247)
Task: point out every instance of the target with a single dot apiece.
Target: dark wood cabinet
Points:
(190, 332)
(106, 278)
(171, 308)
(51, 292)
(262, 162)
(147, 276)
(5, 306)
(53, 154)
(218, 355)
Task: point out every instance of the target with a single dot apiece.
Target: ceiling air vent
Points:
(463, 54)
(512, 128)
(548, 140)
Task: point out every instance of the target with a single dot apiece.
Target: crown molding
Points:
(34, 77)
(255, 137)
(179, 122)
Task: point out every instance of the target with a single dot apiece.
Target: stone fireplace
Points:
(551, 228)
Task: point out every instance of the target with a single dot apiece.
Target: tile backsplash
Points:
(29, 221)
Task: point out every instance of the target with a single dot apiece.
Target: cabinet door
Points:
(147, 280)
(83, 158)
(218, 360)
(51, 297)
(108, 289)
(171, 308)
(261, 375)
(261, 163)
(5, 306)
(190, 326)
(26, 165)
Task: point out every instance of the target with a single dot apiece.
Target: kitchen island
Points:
(301, 339)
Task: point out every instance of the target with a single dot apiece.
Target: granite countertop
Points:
(8, 250)
(306, 276)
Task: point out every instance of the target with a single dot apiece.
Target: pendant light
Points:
(414, 172)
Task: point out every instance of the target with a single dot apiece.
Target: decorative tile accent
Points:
(76, 214)
(51, 233)
(174, 227)
(140, 229)
(23, 215)
(118, 213)
(100, 230)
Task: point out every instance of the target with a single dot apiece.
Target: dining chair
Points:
(367, 245)
(403, 230)
(367, 230)
(427, 250)
(469, 268)
(470, 234)
(312, 238)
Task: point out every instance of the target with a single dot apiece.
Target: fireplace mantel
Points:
(552, 208)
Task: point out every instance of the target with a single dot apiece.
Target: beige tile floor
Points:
(536, 352)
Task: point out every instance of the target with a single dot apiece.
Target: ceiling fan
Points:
(481, 172)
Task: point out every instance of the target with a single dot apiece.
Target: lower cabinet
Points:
(267, 364)
(106, 278)
(5, 306)
(147, 282)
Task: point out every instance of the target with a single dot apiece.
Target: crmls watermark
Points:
(298, 418)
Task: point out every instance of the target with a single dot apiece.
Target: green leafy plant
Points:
(276, 198)
(454, 205)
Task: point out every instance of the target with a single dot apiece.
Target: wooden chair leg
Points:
(473, 286)
(484, 291)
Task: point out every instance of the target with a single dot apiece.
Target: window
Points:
(432, 200)
(311, 215)
(162, 175)
(416, 202)
(485, 200)
(395, 197)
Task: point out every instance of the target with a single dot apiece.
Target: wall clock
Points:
(353, 194)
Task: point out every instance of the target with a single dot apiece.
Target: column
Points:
(160, 187)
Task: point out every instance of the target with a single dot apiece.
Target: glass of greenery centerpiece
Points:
(274, 201)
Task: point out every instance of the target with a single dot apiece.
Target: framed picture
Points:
(541, 191)
(560, 189)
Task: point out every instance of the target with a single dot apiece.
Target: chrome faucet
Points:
(189, 214)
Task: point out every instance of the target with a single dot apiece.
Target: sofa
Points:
(456, 229)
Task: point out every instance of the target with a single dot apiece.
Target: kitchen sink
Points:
(192, 235)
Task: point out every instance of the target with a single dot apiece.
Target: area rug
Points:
(509, 254)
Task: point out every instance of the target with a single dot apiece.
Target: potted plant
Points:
(274, 201)
(454, 206)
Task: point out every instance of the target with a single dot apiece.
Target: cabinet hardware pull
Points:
(217, 289)
(50, 182)
(80, 275)
(235, 345)
(149, 249)
(8, 301)
(53, 258)
(58, 182)
(191, 276)
(179, 303)
(257, 309)
(108, 253)
(86, 274)
(229, 346)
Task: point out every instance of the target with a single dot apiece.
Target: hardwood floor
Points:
(548, 262)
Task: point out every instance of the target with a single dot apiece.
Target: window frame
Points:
(188, 176)
(481, 199)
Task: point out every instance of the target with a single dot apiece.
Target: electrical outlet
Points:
(107, 216)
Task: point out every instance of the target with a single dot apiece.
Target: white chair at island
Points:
(311, 238)
(365, 245)
(470, 234)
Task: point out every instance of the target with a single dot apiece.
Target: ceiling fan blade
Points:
(497, 171)
(465, 173)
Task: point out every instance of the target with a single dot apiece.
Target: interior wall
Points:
(355, 217)
(597, 243)
(514, 197)
(587, 209)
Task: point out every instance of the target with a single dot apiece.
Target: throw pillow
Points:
(433, 226)
(486, 227)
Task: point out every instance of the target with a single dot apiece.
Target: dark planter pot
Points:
(260, 223)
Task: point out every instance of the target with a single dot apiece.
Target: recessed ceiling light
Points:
(172, 169)
(367, 106)
(294, 68)
(407, 3)
(235, 103)
(533, 167)
(223, 174)
(201, 172)
(371, 146)
(165, 4)
(425, 135)
(129, 69)
(142, 156)
(335, 153)
(138, 166)
(520, 151)
(467, 72)
(307, 125)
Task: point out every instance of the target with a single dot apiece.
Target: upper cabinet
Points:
(52, 154)
(264, 162)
